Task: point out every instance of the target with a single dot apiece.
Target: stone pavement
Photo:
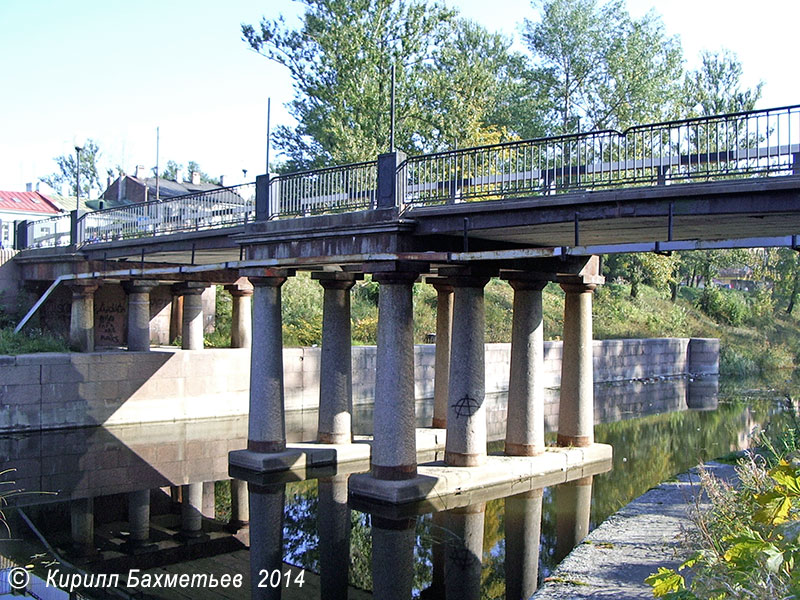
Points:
(616, 557)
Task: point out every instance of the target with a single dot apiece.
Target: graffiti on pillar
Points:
(109, 321)
(466, 406)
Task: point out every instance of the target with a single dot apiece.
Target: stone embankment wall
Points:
(49, 391)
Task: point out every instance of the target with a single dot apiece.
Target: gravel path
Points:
(616, 557)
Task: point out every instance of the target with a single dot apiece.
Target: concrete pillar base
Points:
(460, 459)
(523, 449)
(576, 441)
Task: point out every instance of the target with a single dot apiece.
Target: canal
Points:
(101, 508)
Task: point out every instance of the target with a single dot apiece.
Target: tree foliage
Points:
(716, 87)
(89, 172)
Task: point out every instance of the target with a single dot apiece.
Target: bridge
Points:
(528, 211)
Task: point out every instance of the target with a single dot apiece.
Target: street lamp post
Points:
(78, 177)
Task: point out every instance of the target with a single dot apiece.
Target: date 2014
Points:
(276, 579)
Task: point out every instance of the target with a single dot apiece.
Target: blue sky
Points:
(114, 71)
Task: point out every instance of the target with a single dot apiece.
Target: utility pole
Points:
(158, 190)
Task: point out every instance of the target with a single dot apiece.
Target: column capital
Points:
(266, 273)
(82, 287)
(242, 287)
(189, 288)
(440, 284)
(528, 280)
(578, 284)
(336, 280)
(139, 286)
(402, 268)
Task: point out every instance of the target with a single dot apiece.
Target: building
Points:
(20, 206)
(134, 189)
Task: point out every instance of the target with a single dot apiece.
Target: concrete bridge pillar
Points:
(192, 325)
(139, 516)
(240, 505)
(392, 558)
(333, 525)
(525, 420)
(266, 537)
(241, 314)
(464, 552)
(576, 407)
(523, 523)
(394, 452)
(444, 331)
(465, 445)
(266, 424)
(191, 511)
(138, 313)
(81, 324)
(336, 372)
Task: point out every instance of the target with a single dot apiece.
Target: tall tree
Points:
(602, 68)
(67, 173)
(716, 87)
(454, 80)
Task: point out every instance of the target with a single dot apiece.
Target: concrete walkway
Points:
(616, 557)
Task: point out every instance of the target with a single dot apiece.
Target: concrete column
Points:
(394, 453)
(444, 330)
(523, 524)
(240, 505)
(573, 502)
(266, 424)
(266, 537)
(209, 500)
(464, 553)
(392, 558)
(192, 510)
(81, 324)
(465, 445)
(138, 313)
(333, 526)
(192, 324)
(439, 533)
(525, 420)
(336, 372)
(139, 516)
(576, 407)
(82, 523)
(242, 313)
(175, 316)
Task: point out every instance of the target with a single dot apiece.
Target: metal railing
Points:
(223, 207)
(49, 233)
(334, 189)
(744, 144)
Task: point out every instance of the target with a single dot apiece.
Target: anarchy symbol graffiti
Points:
(466, 406)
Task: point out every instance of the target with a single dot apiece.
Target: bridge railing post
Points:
(21, 235)
(390, 186)
(74, 234)
(264, 210)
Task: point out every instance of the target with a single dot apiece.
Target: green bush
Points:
(724, 306)
(30, 341)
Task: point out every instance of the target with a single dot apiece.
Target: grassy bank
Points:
(755, 336)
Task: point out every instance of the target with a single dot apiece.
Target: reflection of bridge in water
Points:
(117, 511)
(530, 212)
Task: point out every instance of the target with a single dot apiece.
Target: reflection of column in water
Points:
(702, 393)
(266, 537)
(139, 516)
(392, 558)
(240, 505)
(523, 523)
(573, 501)
(438, 546)
(82, 522)
(464, 552)
(191, 510)
(333, 525)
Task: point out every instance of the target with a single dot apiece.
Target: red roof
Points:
(27, 202)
